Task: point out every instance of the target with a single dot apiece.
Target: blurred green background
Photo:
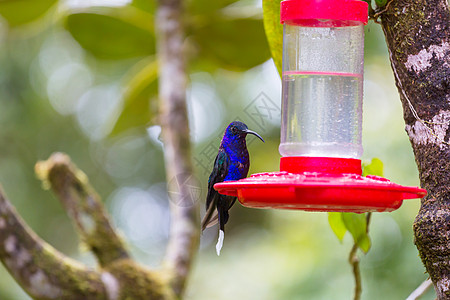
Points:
(80, 77)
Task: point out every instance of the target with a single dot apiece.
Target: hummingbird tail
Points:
(223, 218)
(220, 242)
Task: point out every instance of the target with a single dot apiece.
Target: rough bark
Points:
(185, 226)
(418, 38)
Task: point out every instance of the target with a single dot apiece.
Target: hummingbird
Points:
(231, 163)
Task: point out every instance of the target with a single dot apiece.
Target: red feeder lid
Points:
(319, 191)
(338, 10)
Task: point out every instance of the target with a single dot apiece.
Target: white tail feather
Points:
(220, 242)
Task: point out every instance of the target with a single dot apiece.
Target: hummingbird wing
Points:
(220, 171)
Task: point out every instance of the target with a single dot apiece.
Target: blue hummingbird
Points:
(231, 163)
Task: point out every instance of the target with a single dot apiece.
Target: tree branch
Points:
(417, 34)
(185, 219)
(353, 259)
(41, 270)
(44, 273)
(421, 289)
(121, 277)
(83, 206)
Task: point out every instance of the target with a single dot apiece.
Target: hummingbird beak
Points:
(248, 131)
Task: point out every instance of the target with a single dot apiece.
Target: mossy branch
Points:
(83, 206)
(41, 270)
(44, 273)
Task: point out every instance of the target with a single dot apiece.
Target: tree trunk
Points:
(417, 35)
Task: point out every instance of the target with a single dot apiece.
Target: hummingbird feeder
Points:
(321, 119)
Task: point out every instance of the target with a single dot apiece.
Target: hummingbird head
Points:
(238, 130)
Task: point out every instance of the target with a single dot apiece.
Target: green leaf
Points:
(356, 224)
(374, 168)
(20, 12)
(145, 5)
(380, 3)
(113, 33)
(337, 224)
(139, 97)
(274, 30)
(230, 43)
(205, 7)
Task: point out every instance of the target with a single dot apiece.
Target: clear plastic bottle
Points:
(323, 58)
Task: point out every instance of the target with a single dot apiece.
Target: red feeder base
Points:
(326, 190)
